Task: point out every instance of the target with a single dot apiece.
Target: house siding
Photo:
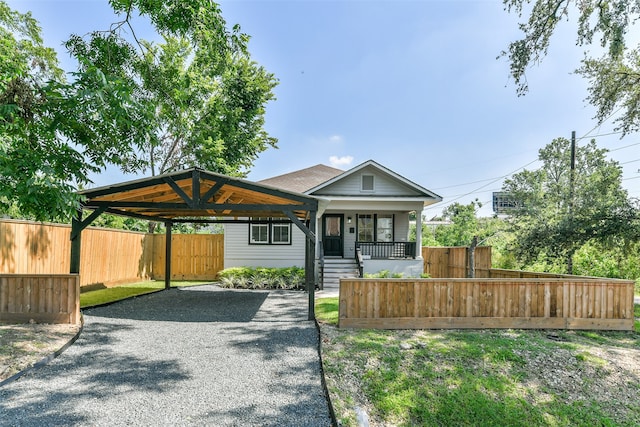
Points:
(384, 185)
(239, 253)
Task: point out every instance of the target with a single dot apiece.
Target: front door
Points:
(333, 234)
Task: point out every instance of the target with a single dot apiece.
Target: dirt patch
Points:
(21, 346)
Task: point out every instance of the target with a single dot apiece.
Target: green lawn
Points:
(117, 293)
(480, 377)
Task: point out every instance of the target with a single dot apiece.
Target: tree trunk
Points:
(570, 263)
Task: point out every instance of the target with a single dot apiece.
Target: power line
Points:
(456, 198)
(601, 134)
(626, 146)
(462, 185)
(483, 186)
(630, 161)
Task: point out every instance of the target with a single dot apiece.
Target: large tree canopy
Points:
(614, 75)
(196, 99)
(54, 133)
(558, 217)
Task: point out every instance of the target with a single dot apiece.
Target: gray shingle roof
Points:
(303, 179)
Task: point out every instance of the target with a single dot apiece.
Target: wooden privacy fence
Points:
(193, 256)
(453, 262)
(486, 303)
(108, 257)
(43, 299)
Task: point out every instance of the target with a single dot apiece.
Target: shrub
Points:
(262, 278)
(386, 274)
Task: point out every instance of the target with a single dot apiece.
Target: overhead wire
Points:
(493, 180)
(483, 186)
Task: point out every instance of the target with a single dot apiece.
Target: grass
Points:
(483, 377)
(117, 293)
(327, 310)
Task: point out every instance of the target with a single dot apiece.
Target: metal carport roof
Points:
(196, 195)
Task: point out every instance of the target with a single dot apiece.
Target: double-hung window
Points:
(375, 227)
(267, 231)
(259, 231)
(280, 234)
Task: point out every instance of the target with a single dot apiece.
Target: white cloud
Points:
(337, 162)
(336, 138)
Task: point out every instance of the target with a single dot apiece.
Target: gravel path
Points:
(192, 356)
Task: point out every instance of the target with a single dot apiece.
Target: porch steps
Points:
(337, 268)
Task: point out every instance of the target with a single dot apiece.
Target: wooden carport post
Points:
(310, 262)
(77, 225)
(76, 245)
(167, 254)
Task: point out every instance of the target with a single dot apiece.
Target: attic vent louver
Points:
(367, 182)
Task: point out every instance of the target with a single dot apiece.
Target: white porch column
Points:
(419, 234)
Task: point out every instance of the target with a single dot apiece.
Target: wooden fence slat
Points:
(108, 257)
(41, 298)
(477, 303)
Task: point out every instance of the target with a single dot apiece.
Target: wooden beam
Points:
(262, 189)
(310, 262)
(195, 188)
(87, 221)
(310, 234)
(179, 191)
(205, 206)
(167, 261)
(212, 191)
(134, 185)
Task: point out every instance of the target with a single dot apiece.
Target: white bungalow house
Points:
(362, 224)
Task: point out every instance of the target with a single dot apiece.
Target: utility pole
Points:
(572, 183)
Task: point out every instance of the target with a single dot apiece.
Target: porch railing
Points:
(387, 250)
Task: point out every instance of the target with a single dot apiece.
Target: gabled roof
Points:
(382, 169)
(304, 179)
(196, 193)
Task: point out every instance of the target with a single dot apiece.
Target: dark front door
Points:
(333, 235)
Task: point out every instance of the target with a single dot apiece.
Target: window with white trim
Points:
(259, 231)
(280, 234)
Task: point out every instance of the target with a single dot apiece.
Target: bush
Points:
(386, 274)
(262, 278)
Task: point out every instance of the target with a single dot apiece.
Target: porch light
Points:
(348, 220)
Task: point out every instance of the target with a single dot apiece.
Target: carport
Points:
(198, 196)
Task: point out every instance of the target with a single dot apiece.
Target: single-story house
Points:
(362, 224)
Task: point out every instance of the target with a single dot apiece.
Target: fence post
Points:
(472, 258)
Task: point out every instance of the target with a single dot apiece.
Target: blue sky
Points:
(413, 85)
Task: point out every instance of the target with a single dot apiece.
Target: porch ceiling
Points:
(197, 194)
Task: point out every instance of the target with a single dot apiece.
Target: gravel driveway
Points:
(192, 356)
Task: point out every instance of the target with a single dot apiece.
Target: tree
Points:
(53, 133)
(206, 116)
(205, 97)
(464, 224)
(195, 100)
(555, 219)
(614, 77)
